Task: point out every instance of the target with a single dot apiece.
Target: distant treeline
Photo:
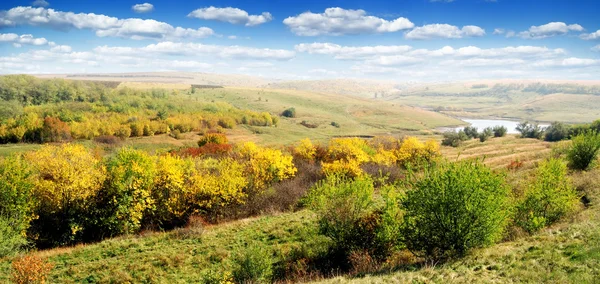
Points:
(206, 86)
(54, 110)
(501, 90)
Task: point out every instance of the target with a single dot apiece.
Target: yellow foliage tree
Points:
(266, 165)
(218, 183)
(413, 152)
(68, 178)
(171, 190)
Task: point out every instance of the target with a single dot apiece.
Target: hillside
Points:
(541, 100)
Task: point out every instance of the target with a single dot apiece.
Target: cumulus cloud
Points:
(596, 48)
(549, 30)
(142, 8)
(444, 31)
(499, 31)
(61, 48)
(181, 49)
(103, 25)
(591, 36)
(231, 15)
(19, 40)
(339, 21)
(572, 62)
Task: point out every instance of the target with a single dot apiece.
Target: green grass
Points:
(179, 256)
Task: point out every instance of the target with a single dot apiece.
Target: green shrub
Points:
(486, 134)
(349, 216)
(499, 131)
(471, 132)
(253, 264)
(452, 208)
(126, 195)
(584, 150)
(528, 130)
(557, 131)
(548, 197)
(453, 138)
(335, 124)
(16, 185)
(12, 239)
(290, 112)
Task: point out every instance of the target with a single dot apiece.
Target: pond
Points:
(483, 123)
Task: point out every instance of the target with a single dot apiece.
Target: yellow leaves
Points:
(344, 168)
(349, 149)
(412, 151)
(66, 174)
(266, 165)
(305, 150)
(171, 186)
(218, 183)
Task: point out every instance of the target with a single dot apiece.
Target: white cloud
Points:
(40, 3)
(351, 52)
(142, 8)
(187, 49)
(549, 30)
(591, 36)
(596, 48)
(499, 31)
(395, 60)
(572, 62)
(61, 48)
(231, 15)
(444, 31)
(339, 21)
(103, 25)
(19, 40)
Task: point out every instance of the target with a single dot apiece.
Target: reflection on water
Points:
(483, 123)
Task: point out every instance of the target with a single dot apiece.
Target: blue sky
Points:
(403, 40)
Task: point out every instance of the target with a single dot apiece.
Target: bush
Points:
(226, 122)
(499, 131)
(557, 131)
(471, 132)
(485, 134)
(452, 138)
(584, 150)
(528, 130)
(335, 124)
(127, 193)
(214, 138)
(12, 239)
(16, 194)
(30, 269)
(549, 197)
(107, 139)
(68, 178)
(306, 150)
(290, 112)
(265, 166)
(253, 265)
(452, 208)
(349, 216)
(170, 192)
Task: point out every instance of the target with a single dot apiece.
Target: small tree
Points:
(584, 150)
(549, 197)
(557, 131)
(290, 112)
(485, 134)
(471, 132)
(499, 131)
(253, 265)
(452, 208)
(528, 130)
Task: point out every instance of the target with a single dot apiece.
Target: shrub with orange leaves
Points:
(30, 269)
(213, 138)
